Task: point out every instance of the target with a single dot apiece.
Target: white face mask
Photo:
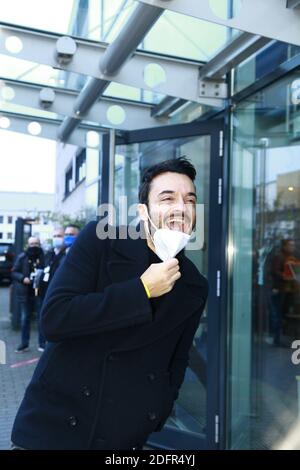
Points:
(168, 242)
(57, 242)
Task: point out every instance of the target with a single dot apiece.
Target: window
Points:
(9, 219)
(9, 236)
(80, 165)
(68, 181)
(1, 219)
(1, 235)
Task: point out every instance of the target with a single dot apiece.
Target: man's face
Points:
(58, 233)
(172, 202)
(71, 231)
(33, 241)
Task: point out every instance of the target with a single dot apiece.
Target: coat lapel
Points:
(129, 258)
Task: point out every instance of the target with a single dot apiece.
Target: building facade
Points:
(26, 205)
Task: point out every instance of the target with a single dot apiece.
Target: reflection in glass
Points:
(264, 301)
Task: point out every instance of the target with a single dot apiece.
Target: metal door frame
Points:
(214, 438)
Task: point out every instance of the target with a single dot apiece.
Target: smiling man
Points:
(119, 316)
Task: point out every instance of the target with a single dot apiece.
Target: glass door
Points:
(263, 405)
(194, 421)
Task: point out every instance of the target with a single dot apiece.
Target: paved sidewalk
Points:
(16, 373)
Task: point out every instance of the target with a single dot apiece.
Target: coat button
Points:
(72, 421)
(151, 377)
(86, 392)
(151, 416)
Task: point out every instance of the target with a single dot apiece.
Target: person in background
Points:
(53, 259)
(284, 286)
(71, 233)
(27, 272)
(62, 241)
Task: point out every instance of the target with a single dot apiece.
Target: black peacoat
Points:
(112, 368)
(20, 270)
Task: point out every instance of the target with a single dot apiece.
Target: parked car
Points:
(6, 261)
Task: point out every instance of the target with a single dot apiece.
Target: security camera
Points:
(65, 50)
(47, 97)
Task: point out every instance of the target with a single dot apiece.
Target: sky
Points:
(26, 163)
(56, 14)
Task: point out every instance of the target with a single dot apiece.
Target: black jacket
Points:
(112, 369)
(52, 262)
(21, 269)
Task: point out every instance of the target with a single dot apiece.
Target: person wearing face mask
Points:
(53, 259)
(71, 233)
(119, 316)
(27, 272)
(62, 241)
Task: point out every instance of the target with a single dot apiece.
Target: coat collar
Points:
(133, 251)
(130, 258)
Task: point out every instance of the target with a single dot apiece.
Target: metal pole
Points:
(136, 28)
(138, 25)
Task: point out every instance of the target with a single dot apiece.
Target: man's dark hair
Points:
(175, 165)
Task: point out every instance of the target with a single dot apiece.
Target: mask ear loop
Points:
(191, 228)
(148, 230)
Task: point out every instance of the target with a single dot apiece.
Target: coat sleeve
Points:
(181, 357)
(17, 272)
(72, 306)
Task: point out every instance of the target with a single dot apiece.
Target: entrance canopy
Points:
(72, 67)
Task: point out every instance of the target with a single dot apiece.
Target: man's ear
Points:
(142, 209)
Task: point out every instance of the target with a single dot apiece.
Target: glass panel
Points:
(52, 16)
(114, 16)
(126, 178)
(91, 201)
(91, 19)
(185, 36)
(92, 164)
(131, 93)
(189, 413)
(15, 108)
(18, 69)
(262, 63)
(264, 249)
(102, 20)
